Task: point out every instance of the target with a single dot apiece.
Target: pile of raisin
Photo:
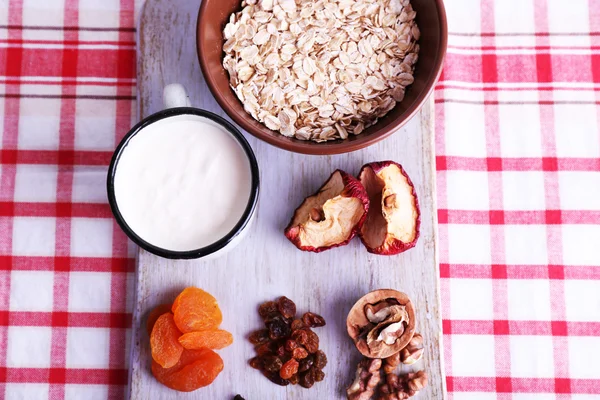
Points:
(287, 349)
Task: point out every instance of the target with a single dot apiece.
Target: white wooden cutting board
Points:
(265, 265)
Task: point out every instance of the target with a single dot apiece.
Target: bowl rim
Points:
(214, 247)
(335, 147)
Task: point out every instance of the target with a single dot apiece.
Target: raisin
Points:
(290, 345)
(265, 348)
(297, 324)
(288, 369)
(268, 310)
(256, 362)
(259, 337)
(299, 353)
(275, 378)
(286, 307)
(300, 336)
(319, 375)
(306, 363)
(320, 359)
(238, 397)
(312, 341)
(278, 328)
(313, 320)
(272, 363)
(294, 379)
(281, 351)
(307, 379)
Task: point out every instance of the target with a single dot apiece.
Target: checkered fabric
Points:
(518, 159)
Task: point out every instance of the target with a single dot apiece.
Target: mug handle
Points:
(175, 95)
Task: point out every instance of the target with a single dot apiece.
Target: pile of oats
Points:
(321, 70)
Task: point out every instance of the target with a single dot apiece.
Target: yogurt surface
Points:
(182, 183)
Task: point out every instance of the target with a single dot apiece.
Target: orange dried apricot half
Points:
(164, 341)
(196, 310)
(154, 314)
(195, 369)
(210, 338)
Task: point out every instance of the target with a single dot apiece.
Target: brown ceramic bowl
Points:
(431, 19)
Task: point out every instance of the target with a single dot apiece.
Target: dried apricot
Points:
(164, 342)
(195, 369)
(196, 310)
(154, 314)
(210, 338)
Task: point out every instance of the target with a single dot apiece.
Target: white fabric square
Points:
(580, 244)
(91, 237)
(473, 396)
(29, 347)
(574, 18)
(464, 16)
(93, 119)
(525, 244)
(467, 190)
(481, 355)
(89, 184)
(88, 347)
(31, 291)
(26, 391)
(582, 300)
(89, 292)
(36, 183)
(531, 357)
(87, 392)
(576, 130)
(465, 136)
(39, 124)
(520, 131)
(469, 244)
(584, 353)
(529, 300)
(523, 191)
(33, 236)
(579, 190)
(471, 299)
(43, 13)
(514, 16)
(534, 396)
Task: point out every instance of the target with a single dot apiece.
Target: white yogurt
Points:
(182, 183)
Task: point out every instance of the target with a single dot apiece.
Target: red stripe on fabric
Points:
(517, 103)
(523, 34)
(21, 27)
(522, 328)
(54, 157)
(91, 62)
(495, 86)
(457, 163)
(61, 376)
(67, 81)
(470, 271)
(64, 319)
(526, 385)
(500, 217)
(59, 209)
(22, 41)
(79, 264)
(10, 131)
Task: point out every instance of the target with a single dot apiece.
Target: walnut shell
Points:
(359, 327)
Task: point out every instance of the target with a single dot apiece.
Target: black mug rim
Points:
(213, 247)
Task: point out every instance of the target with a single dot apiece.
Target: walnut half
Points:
(381, 323)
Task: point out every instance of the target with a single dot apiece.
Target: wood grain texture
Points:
(265, 265)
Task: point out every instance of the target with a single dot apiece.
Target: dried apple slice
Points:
(332, 216)
(393, 220)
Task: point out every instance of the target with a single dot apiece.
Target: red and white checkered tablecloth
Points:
(518, 159)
